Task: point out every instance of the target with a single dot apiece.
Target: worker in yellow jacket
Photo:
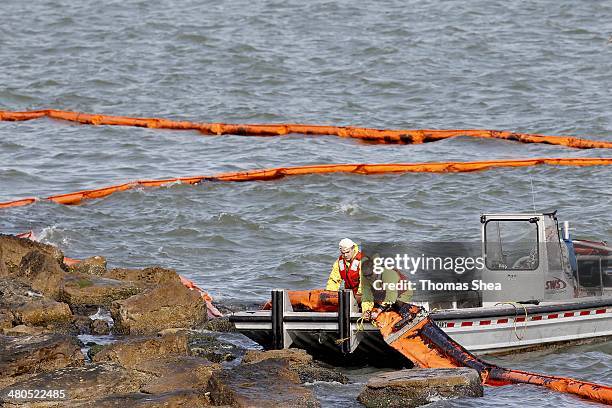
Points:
(347, 268)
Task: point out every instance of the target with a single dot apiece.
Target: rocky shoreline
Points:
(84, 335)
(160, 349)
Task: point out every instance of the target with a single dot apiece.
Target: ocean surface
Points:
(538, 67)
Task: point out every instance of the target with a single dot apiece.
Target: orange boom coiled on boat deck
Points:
(280, 172)
(418, 338)
(319, 300)
(370, 135)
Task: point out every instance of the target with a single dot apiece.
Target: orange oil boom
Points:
(280, 172)
(410, 330)
(369, 135)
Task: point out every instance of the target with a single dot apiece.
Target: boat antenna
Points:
(532, 194)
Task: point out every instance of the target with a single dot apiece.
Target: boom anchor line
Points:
(367, 135)
(280, 172)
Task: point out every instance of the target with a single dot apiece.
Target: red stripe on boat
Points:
(519, 319)
(553, 316)
(585, 312)
(450, 325)
(600, 311)
(466, 324)
(568, 314)
(536, 318)
(485, 322)
(501, 321)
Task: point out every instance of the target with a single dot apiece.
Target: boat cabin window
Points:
(511, 245)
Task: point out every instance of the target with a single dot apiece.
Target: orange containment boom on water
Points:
(369, 135)
(409, 329)
(280, 172)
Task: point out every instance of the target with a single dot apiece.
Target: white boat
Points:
(558, 291)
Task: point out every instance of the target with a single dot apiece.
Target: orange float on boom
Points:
(369, 135)
(410, 330)
(280, 172)
(318, 300)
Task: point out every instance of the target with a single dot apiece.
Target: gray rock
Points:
(416, 387)
(210, 347)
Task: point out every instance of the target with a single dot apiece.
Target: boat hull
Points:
(484, 330)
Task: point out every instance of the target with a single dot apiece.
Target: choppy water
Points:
(539, 67)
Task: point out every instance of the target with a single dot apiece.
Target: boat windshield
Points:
(511, 244)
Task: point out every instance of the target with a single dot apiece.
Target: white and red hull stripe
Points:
(521, 319)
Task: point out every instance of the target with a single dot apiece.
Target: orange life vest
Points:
(350, 273)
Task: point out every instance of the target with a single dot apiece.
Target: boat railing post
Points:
(601, 284)
(287, 307)
(345, 334)
(356, 332)
(278, 311)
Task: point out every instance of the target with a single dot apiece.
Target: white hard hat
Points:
(346, 243)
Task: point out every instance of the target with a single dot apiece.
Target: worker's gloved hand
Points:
(370, 315)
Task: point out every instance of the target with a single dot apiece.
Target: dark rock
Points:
(177, 372)
(266, 383)
(86, 290)
(83, 384)
(416, 387)
(168, 305)
(300, 362)
(93, 350)
(208, 346)
(131, 352)
(172, 399)
(220, 324)
(96, 265)
(81, 325)
(100, 327)
(33, 354)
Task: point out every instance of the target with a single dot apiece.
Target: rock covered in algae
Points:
(416, 387)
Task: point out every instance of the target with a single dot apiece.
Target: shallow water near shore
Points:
(539, 68)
